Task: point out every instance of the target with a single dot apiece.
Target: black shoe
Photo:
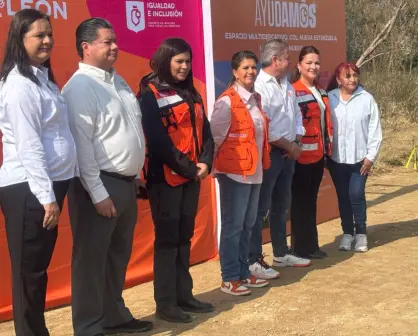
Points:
(196, 306)
(318, 254)
(133, 326)
(173, 314)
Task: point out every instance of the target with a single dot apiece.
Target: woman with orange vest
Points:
(239, 129)
(316, 144)
(179, 156)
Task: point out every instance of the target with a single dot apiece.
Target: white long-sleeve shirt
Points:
(105, 120)
(38, 147)
(357, 128)
(279, 103)
(220, 123)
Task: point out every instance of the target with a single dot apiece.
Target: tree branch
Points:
(382, 36)
(368, 60)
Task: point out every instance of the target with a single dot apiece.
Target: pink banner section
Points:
(141, 25)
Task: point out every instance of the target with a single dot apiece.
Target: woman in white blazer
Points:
(357, 140)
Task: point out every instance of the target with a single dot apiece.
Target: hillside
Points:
(391, 71)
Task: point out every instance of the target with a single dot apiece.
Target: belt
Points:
(118, 176)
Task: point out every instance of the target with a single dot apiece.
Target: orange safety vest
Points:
(175, 116)
(238, 153)
(314, 143)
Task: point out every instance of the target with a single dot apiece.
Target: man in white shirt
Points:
(285, 131)
(105, 120)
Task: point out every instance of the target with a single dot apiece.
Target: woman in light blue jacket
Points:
(357, 140)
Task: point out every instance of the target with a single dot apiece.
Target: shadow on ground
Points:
(403, 190)
(379, 235)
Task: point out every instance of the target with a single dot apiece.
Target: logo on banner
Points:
(135, 15)
(285, 14)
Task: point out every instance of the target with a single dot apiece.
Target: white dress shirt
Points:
(38, 147)
(220, 123)
(105, 120)
(357, 128)
(279, 103)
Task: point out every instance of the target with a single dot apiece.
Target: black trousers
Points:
(305, 186)
(101, 251)
(30, 248)
(173, 211)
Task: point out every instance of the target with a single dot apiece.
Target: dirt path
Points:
(346, 294)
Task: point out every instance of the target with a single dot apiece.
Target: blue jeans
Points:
(239, 203)
(351, 192)
(274, 196)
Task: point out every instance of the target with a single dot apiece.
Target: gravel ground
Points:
(346, 294)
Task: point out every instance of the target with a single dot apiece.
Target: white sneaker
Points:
(346, 243)
(252, 281)
(361, 243)
(291, 260)
(261, 270)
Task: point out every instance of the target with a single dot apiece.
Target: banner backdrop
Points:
(246, 24)
(140, 27)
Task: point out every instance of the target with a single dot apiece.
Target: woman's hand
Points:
(52, 215)
(365, 168)
(202, 170)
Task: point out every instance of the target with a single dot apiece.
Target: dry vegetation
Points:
(391, 74)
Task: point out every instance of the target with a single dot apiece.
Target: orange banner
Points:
(140, 27)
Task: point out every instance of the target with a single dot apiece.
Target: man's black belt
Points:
(118, 176)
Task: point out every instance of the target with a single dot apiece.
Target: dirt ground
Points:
(375, 293)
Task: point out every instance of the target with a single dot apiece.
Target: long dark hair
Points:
(15, 52)
(161, 66)
(304, 51)
(333, 84)
(237, 58)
